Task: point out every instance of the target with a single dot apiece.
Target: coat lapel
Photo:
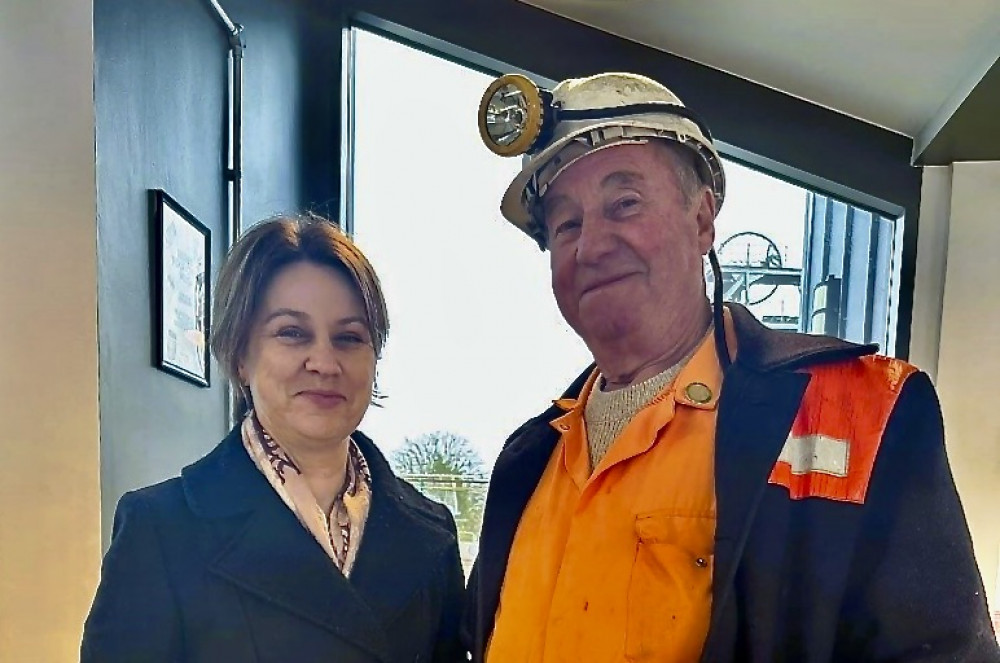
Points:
(756, 411)
(760, 397)
(276, 559)
(269, 554)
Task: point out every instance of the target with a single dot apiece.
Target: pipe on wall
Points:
(233, 148)
(233, 172)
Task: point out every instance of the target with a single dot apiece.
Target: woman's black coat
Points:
(213, 567)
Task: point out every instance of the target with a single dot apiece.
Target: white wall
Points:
(956, 336)
(49, 465)
(969, 362)
(932, 260)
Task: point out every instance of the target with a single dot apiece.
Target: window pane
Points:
(759, 237)
(803, 261)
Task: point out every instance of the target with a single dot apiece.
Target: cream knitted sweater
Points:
(606, 413)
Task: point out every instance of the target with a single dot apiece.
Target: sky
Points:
(476, 343)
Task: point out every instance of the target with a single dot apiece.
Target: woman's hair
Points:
(258, 256)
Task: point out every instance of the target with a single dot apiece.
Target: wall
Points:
(49, 515)
(160, 77)
(932, 260)
(970, 355)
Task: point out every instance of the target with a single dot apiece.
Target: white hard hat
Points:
(580, 116)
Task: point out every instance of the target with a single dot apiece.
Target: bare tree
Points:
(438, 453)
(446, 467)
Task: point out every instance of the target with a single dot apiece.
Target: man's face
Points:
(626, 246)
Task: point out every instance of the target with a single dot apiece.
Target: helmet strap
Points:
(560, 114)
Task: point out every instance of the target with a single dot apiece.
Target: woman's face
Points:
(310, 362)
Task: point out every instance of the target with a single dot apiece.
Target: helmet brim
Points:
(514, 206)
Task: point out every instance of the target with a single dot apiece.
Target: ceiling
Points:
(927, 69)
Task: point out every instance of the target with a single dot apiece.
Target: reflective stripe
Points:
(816, 453)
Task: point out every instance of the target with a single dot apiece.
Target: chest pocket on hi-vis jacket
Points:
(670, 588)
(830, 451)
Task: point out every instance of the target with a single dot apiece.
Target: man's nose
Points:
(597, 239)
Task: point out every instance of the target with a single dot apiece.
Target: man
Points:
(709, 489)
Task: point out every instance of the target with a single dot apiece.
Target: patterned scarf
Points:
(340, 533)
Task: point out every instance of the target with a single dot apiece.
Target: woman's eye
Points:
(349, 341)
(293, 333)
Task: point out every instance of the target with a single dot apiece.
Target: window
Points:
(759, 238)
(477, 344)
(804, 261)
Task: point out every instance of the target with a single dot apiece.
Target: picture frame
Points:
(182, 256)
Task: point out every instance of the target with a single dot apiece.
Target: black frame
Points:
(161, 201)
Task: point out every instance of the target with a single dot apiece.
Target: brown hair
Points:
(257, 257)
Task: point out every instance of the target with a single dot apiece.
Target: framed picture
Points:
(182, 256)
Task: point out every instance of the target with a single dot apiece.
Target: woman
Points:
(292, 541)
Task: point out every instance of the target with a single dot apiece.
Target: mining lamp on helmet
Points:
(516, 116)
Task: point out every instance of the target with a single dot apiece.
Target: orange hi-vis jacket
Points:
(618, 563)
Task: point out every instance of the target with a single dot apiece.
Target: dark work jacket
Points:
(213, 567)
(803, 581)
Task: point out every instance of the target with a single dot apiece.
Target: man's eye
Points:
(566, 226)
(625, 204)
